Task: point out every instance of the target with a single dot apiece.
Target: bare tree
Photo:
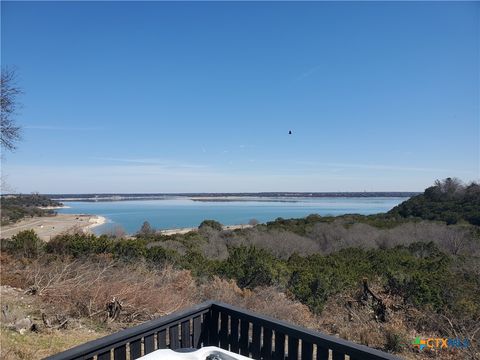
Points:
(253, 222)
(10, 131)
(116, 231)
(450, 186)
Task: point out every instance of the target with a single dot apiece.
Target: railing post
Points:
(307, 350)
(292, 348)
(256, 337)
(267, 343)
(234, 340)
(338, 356)
(213, 328)
(104, 356)
(135, 349)
(279, 353)
(244, 326)
(173, 334)
(149, 344)
(186, 339)
(197, 332)
(224, 330)
(162, 339)
(120, 353)
(322, 352)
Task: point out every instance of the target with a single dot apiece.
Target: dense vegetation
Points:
(17, 207)
(431, 267)
(432, 275)
(448, 200)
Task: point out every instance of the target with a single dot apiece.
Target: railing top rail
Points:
(312, 336)
(92, 346)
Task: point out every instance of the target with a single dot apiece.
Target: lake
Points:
(183, 212)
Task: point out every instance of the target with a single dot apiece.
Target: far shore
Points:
(48, 227)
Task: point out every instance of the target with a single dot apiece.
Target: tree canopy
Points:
(447, 200)
(10, 131)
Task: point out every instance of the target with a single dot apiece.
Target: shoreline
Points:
(95, 221)
(54, 207)
(47, 227)
(189, 229)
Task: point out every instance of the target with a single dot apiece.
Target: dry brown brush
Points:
(85, 288)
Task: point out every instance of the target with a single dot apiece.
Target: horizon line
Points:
(224, 193)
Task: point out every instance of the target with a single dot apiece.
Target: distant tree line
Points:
(17, 207)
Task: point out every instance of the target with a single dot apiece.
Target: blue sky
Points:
(191, 97)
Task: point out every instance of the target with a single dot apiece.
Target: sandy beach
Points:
(186, 230)
(54, 207)
(49, 226)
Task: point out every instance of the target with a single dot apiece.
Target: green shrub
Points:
(394, 342)
(127, 249)
(251, 267)
(198, 264)
(160, 256)
(26, 243)
(211, 224)
(316, 277)
(80, 245)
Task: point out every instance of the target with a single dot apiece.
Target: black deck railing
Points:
(225, 326)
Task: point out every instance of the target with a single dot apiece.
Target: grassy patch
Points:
(39, 345)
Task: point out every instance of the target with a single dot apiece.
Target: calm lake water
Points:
(180, 213)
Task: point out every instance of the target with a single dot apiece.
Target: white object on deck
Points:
(200, 354)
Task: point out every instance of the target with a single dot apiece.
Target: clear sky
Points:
(199, 97)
